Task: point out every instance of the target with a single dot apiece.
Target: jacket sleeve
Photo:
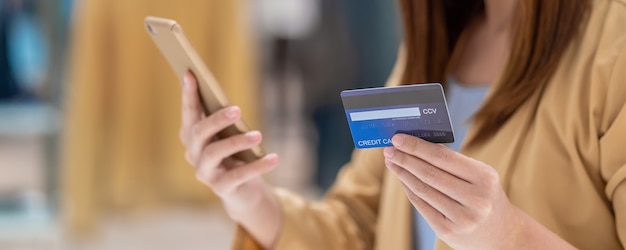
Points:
(613, 142)
(346, 217)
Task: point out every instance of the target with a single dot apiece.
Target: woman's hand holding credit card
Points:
(461, 198)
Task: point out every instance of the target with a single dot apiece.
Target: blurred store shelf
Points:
(28, 119)
(31, 228)
(26, 217)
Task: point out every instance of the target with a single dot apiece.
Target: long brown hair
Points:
(544, 30)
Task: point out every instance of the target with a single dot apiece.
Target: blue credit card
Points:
(377, 114)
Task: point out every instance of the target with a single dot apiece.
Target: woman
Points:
(542, 166)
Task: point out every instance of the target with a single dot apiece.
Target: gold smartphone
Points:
(182, 57)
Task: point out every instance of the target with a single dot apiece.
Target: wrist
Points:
(260, 215)
(527, 233)
(248, 201)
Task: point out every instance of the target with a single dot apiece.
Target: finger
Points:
(443, 181)
(438, 155)
(232, 163)
(437, 221)
(445, 205)
(204, 131)
(216, 152)
(192, 107)
(232, 179)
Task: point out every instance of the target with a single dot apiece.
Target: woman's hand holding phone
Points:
(245, 195)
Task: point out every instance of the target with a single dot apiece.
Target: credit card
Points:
(377, 114)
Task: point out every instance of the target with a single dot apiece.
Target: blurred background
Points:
(89, 111)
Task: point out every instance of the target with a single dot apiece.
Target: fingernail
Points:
(253, 135)
(186, 81)
(397, 140)
(387, 163)
(389, 152)
(271, 158)
(232, 113)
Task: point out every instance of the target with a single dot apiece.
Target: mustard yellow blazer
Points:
(561, 159)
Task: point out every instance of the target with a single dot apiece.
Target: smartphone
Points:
(169, 37)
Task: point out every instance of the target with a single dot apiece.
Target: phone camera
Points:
(151, 29)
